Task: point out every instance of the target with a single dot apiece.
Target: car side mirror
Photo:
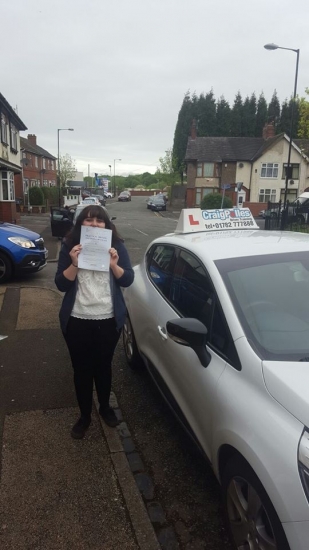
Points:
(192, 333)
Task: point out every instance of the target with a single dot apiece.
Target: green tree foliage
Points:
(67, 169)
(249, 116)
(36, 197)
(273, 112)
(261, 115)
(214, 200)
(223, 118)
(237, 116)
(182, 131)
(206, 115)
(303, 125)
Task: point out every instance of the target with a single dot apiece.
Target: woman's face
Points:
(94, 222)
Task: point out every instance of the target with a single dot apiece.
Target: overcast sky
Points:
(117, 70)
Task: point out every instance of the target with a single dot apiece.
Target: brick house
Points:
(10, 126)
(39, 167)
(259, 163)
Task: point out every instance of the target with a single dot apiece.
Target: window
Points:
(269, 170)
(33, 183)
(52, 165)
(44, 163)
(205, 170)
(294, 168)
(13, 138)
(7, 190)
(201, 192)
(4, 129)
(45, 183)
(161, 262)
(266, 195)
(36, 162)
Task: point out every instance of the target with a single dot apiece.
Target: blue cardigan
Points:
(70, 287)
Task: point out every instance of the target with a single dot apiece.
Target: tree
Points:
(303, 123)
(67, 169)
(206, 115)
(166, 162)
(249, 116)
(223, 118)
(237, 116)
(182, 130)
(273, 111)
(261, 115)
(214, 200)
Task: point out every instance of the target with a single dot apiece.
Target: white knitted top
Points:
(93, 298)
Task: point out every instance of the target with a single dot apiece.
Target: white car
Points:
(91, 200)
(219, 314)
(108, 195)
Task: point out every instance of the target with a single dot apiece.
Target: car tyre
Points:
(251, 518)
(6, 268)
(133, 357)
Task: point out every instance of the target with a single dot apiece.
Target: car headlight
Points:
(22, 241)
(303, 461)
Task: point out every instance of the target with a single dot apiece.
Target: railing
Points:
(293, 218)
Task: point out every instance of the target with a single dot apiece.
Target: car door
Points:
(60, 221)
(193, 387)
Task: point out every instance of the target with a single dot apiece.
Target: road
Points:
(183, 484)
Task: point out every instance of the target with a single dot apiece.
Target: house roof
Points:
(30, 148)
(303, 145)
(228, 149)
(14, 116)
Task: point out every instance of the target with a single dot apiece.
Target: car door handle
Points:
(162, 332)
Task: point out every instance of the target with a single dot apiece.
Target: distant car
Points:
(61, 221)
(101, 199)
(157, 203)
(91, 200)
(149, 201)
(108, 195)
(21, 251)
(124, 196)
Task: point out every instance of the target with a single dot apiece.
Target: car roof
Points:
(232, 243)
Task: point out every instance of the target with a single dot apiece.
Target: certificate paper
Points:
(96, 243)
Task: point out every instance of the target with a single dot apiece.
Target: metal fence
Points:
(293, 217)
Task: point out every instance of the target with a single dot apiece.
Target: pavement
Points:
(57, 493)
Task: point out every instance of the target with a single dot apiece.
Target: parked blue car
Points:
(21, 251)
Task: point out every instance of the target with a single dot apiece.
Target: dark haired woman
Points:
(92, 315)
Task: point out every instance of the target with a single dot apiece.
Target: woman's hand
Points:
(114, 257)
(117, 271)
(74, 253)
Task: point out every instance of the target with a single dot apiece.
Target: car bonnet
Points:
(11, 230)
(288, 383)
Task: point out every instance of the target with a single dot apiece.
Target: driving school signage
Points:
(192, 220)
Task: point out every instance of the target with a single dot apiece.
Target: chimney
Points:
(193, 129)
(269, 130)
(32, 139)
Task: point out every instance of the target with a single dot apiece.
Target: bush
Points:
(36, 196)
(214, 200)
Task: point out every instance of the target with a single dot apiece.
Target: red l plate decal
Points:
(192, 221)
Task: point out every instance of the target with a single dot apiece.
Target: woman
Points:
(92, 315)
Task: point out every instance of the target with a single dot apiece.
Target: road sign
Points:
(226, 186)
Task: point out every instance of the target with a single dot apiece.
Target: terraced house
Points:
(10, 164)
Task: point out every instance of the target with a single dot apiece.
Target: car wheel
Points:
(133, 357)
(251, 517)
(6, 268)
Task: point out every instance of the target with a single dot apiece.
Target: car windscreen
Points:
(270, 295)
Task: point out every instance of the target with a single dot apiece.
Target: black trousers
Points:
(91, 345)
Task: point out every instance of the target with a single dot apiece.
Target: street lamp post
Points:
(288, 168)
(110, 177)
(115, 177)
(58, 131)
